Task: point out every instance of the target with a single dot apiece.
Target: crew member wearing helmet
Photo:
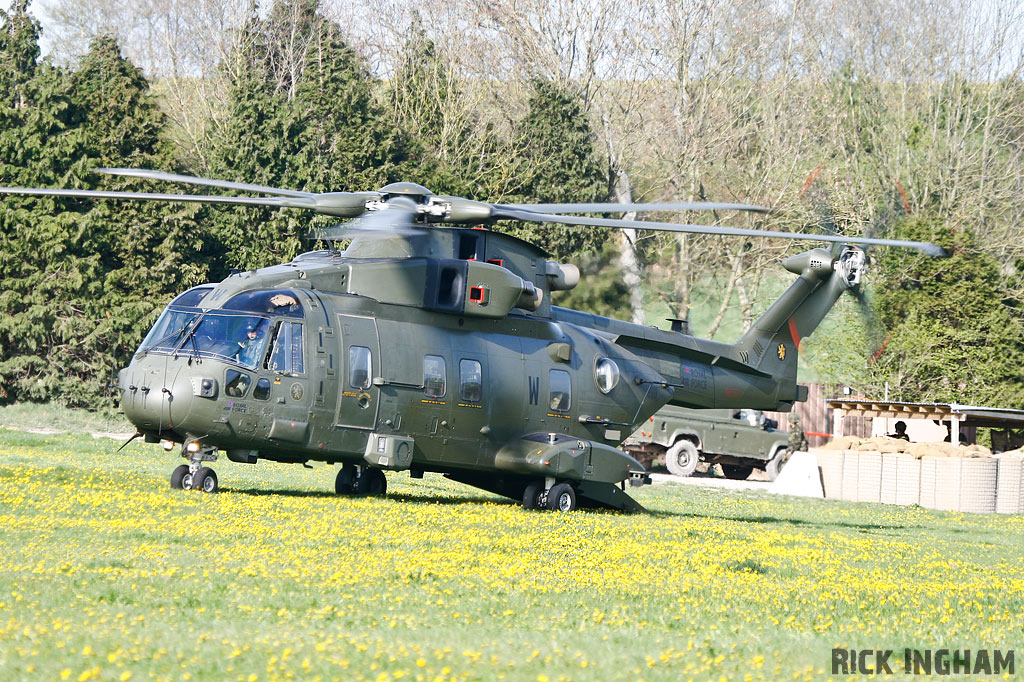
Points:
(797, 437)
(249, 347)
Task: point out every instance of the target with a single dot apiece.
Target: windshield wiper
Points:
(189, 331)
(177, 332)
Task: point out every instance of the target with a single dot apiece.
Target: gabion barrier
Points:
(981, 485)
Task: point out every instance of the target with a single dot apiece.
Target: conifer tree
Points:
(301, 117)
(450, 150)
(82, 280)
(558, 164)
(952, 337)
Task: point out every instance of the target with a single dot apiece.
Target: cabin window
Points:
(359, 367)
(470, 381)
(606, 374)
(236, 383)
(286, 356)
(433, 376)
(262, 390)
(561, 390)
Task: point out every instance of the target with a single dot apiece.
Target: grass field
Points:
(106, 573)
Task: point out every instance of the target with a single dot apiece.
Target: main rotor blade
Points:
(192, 180)
(273, 202)
(625, 208)
(924, 247)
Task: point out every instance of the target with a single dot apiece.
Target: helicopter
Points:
(430, 344)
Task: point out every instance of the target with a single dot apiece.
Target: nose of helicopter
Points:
(156, 394)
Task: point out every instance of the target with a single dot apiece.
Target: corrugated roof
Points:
(969, 415)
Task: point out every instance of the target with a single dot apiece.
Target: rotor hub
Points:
(851, 266)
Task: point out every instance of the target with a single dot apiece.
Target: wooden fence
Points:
(816, 416)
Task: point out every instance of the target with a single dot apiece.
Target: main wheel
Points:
(774, 466)
(345, 483)
(736, 472)
(531, 496)
(205, 480)
(562, 497)
(371, 482)
(682, 458)
(178, 475)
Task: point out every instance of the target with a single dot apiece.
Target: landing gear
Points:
(357, 480)
(195, 475)
(178, 477)
(205, 479)
(531, 496)
(559, 497)
(345, 483)
(371, 482)
(562, 497)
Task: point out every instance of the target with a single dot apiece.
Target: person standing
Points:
(797, 437)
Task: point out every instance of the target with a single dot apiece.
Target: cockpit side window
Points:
(286, 356)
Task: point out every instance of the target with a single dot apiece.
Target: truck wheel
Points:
(775, 464)
(736, 472)
(682, 458)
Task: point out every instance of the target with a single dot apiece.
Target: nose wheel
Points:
(195, 475)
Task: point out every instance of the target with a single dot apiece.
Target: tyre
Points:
(345, 483)
(371, 482)
(775, 464)
(198, 481)
(562, 497)
(531, 496)
(682, 458)
(205, 480)
(178, 475)
(736, 472)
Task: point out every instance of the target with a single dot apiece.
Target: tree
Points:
(952, 335)
(83, 280)
(558, 164)
(451, 150)
(301, 116)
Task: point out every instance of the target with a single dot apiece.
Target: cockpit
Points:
(240, 332)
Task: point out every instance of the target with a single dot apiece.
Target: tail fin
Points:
(773, 342)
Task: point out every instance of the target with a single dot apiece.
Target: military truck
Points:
(738, 440)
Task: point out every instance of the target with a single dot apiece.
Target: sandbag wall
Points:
(967, 484)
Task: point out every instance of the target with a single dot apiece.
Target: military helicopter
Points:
(430, 345)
